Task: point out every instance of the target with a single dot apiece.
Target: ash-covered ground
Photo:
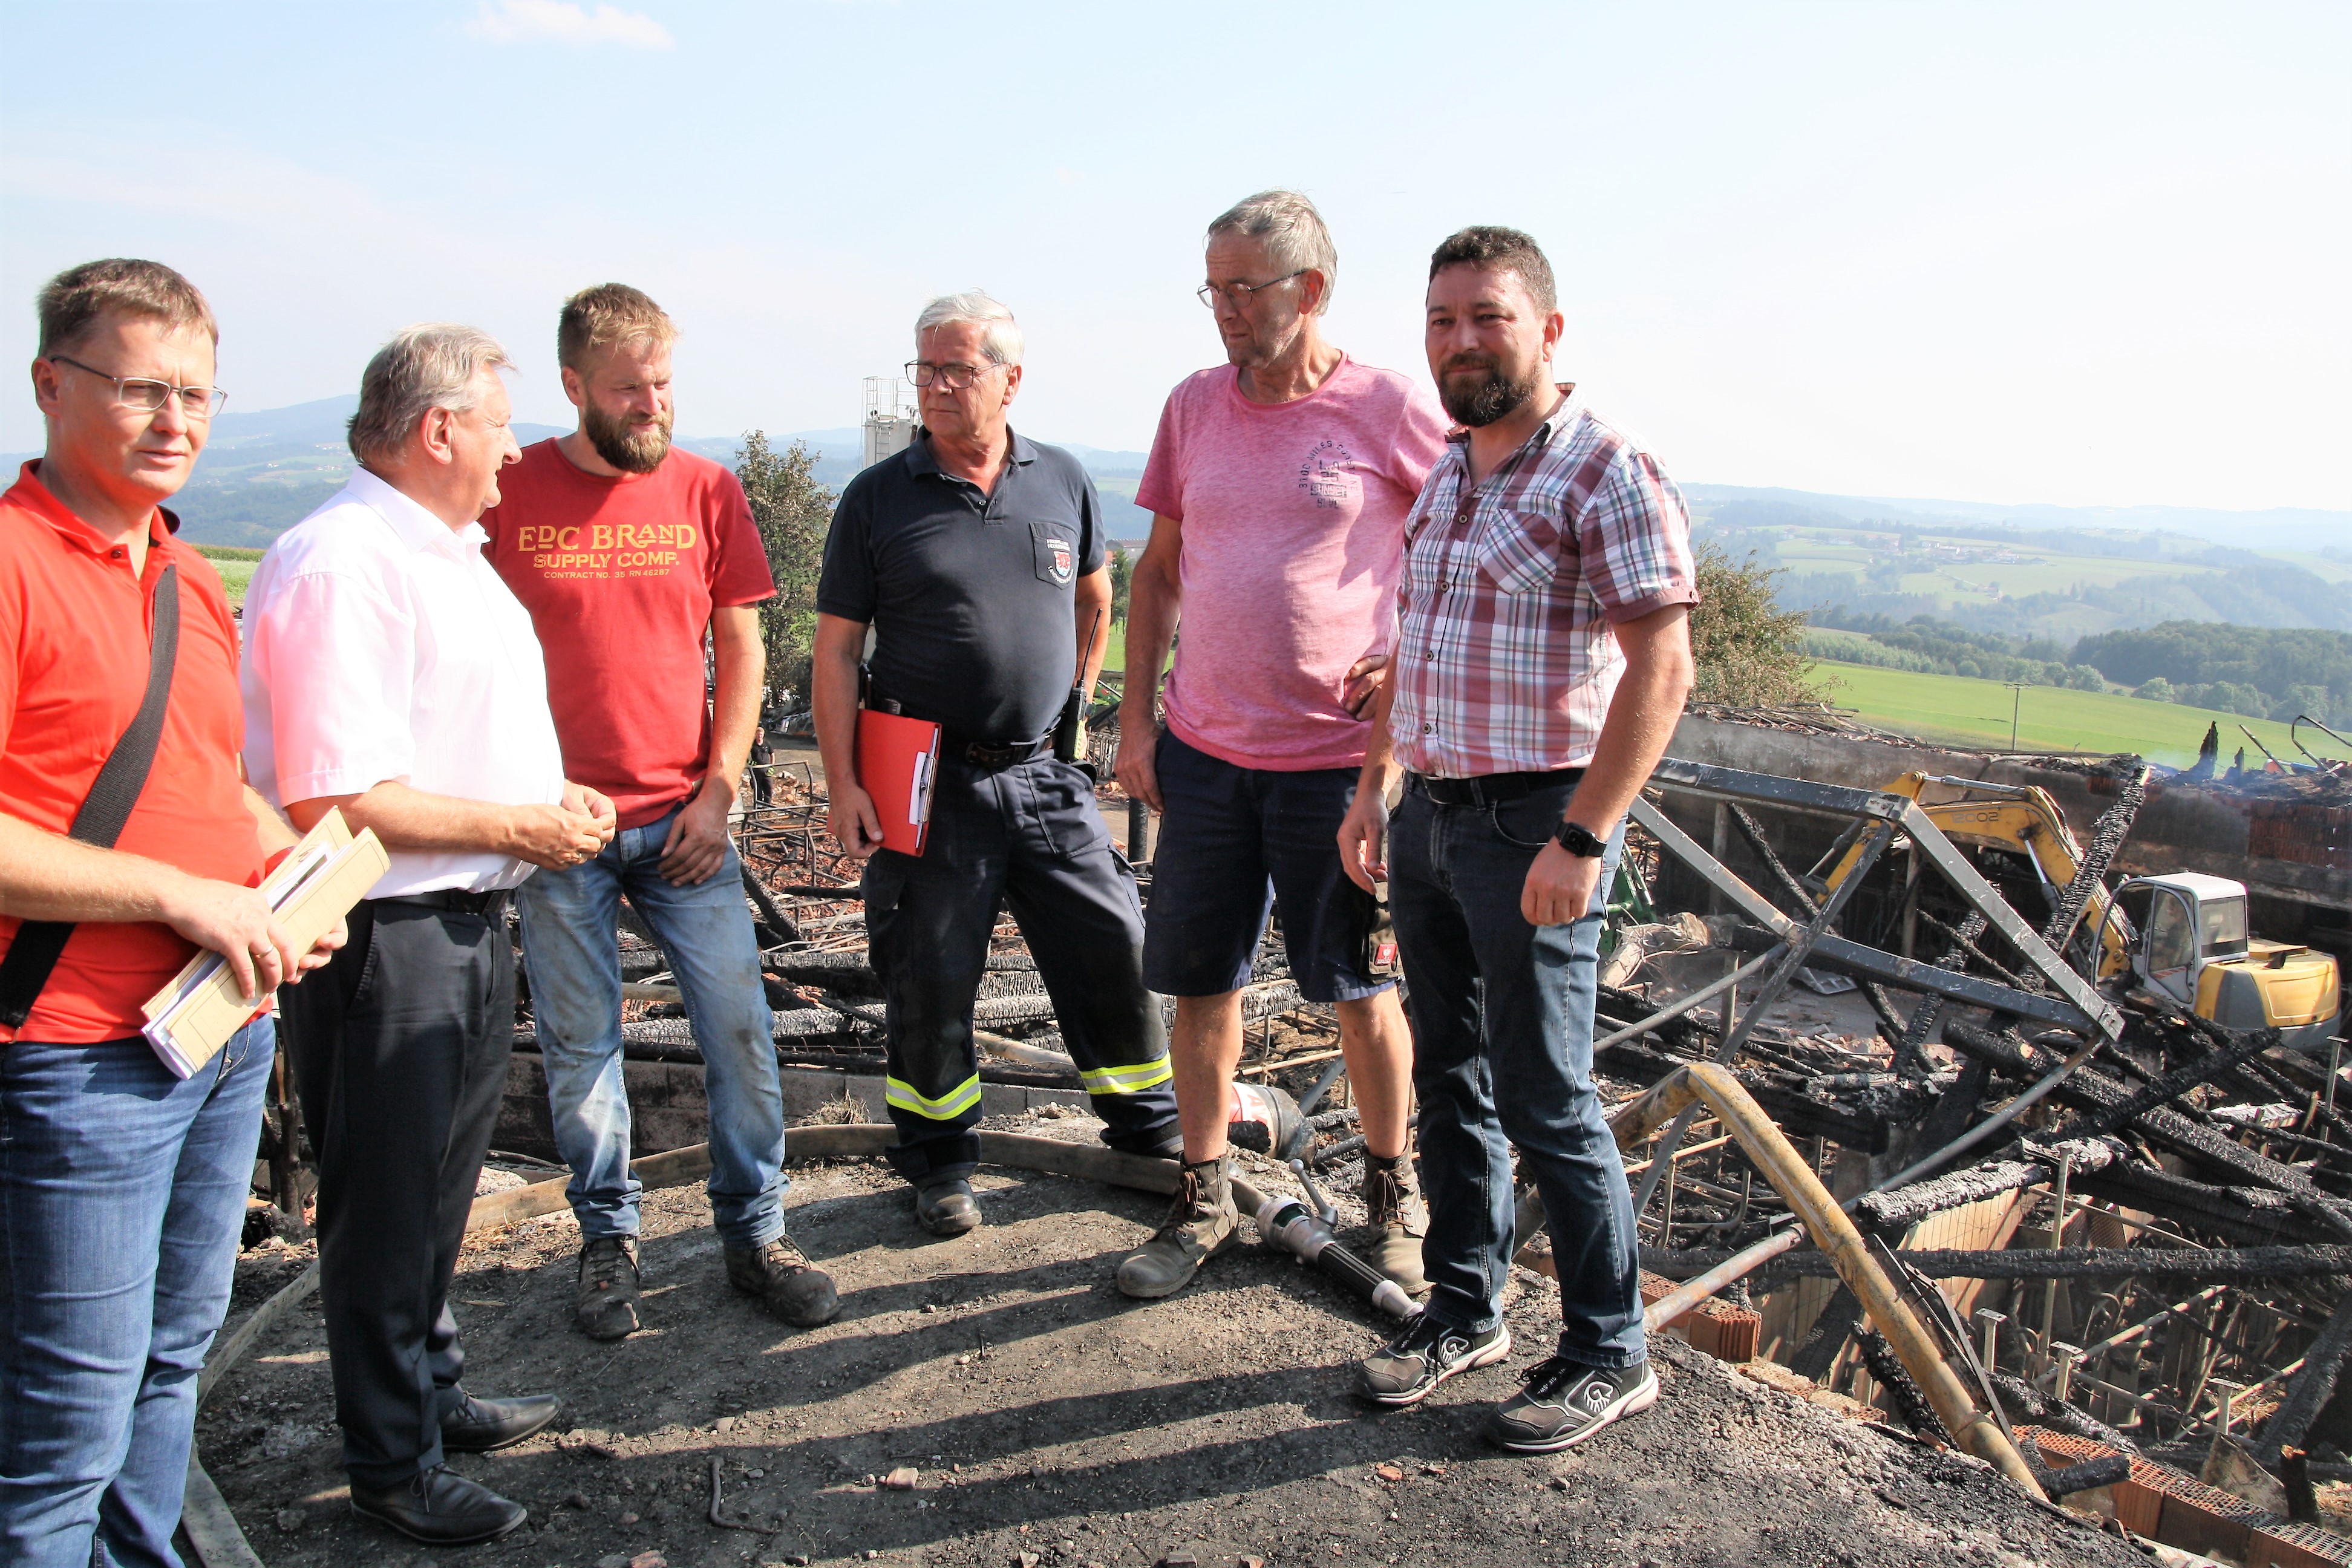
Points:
(1045, 1416)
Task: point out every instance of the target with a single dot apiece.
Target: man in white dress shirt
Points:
(390, 672)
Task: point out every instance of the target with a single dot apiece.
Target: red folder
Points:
(897, 762)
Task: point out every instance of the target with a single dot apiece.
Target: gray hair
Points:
(434, 365)
(1292, 232)
(1001, 338)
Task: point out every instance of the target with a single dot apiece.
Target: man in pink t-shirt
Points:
(1279, 485)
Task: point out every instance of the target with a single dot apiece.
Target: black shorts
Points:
(1234, 843)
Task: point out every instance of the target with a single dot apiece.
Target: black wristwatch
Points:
(1578, 840)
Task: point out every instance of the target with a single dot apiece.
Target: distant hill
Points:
(266, 469)
(2278, 528)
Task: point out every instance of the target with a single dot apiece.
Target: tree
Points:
(794, 513)
(1749, 652)
(1122, 572)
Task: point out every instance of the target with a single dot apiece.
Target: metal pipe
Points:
(1683, 1005)
(1835, 1234)
(2057, 1241)
(1671, 1307)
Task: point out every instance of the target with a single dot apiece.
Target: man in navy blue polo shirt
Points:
(977, 558)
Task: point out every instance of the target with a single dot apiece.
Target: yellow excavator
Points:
(2183, 937)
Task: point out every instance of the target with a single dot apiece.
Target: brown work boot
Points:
(786, 1283)
(604, 1301)
(1395, 1220)
(1202, 1223)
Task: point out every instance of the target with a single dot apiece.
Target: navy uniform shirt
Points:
(971, 596)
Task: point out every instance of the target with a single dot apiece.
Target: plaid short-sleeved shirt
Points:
(1505, 659)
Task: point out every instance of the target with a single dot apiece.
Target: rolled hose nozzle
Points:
(1289, 1224)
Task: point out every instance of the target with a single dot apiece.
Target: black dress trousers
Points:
(399, 1047)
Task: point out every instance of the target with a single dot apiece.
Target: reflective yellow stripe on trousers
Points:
(1132, 1079)
(947, 1107)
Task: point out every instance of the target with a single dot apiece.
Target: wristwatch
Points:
(1578, 840)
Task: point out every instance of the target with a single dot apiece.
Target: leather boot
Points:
(1395, 1220)
(1202, 1223)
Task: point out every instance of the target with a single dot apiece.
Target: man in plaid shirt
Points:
(1542, 660)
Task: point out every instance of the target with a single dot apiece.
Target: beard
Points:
(632, 449)
(1483, 402)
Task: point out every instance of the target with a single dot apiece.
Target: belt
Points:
(453, 901)
(1490, 789)
(992, 753)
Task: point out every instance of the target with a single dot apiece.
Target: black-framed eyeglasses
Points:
(955, 375)
(1237, 295)
(143, 395)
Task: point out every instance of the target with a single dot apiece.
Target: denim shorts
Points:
(1235, 843)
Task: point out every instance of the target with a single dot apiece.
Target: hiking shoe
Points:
(786, 1283)
(1396, 1219)
(1202, 1221)
(1425, 1354)
(947, 1208)
(1564, 1403)
(605, 1304)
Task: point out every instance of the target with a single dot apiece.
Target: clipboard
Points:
(899, 765)
(316, 884)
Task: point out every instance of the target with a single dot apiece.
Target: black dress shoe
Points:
(946, 1208)
(440, 1508)
(481, 1425)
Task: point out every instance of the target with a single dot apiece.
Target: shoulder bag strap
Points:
(34, 951)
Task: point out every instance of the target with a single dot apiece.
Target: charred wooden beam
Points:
(2023, 1401)
(1894, 1212)
(2308, 1390)
(2171, 1086)
(2251, 1216)
(1798, 1115)
(2086, 1089)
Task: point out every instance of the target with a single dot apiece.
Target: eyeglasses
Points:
(143, 396)
(955, 377)
(1239, 295)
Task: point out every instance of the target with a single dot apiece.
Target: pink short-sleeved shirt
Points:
(1293, 517)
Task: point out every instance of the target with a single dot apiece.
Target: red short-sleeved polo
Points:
(73, 666)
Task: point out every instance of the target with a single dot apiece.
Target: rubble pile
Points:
(2131, 1227)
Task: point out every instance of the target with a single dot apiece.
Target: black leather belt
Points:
(450, 900)
(992, 753)
(1490, 789)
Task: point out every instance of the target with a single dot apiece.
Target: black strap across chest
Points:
(34, 951)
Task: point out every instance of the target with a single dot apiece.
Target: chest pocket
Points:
(1519, 552)
(1057, 548)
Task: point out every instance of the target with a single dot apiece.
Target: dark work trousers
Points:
(1028, 837)
(400, 1046)
(1502, 1032)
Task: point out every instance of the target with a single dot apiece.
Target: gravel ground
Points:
(1048, 1421)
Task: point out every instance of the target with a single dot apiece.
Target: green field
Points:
(234, 564)
(2049, 718)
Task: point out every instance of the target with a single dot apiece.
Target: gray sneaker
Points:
(1395, 1221)
(1202, 1221)
(605, 1302)
(1564, 1403)
(1408, 1369)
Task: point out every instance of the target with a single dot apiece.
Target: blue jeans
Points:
(570, 950)
(122, 1196)
(1502, 1027)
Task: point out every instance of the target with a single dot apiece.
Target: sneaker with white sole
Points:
(1408, 1368)
(1565, 1403)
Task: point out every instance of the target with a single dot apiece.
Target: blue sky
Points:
(2079, 253)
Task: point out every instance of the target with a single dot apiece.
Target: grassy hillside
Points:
(1954, 708)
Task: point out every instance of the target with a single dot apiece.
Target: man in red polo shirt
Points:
(121, 1188)
(628, 553)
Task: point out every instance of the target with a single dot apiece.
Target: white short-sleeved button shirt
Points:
(380, 645)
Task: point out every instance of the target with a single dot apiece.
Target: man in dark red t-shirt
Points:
(626, 552)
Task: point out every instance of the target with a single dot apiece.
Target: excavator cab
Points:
(2194, 951)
